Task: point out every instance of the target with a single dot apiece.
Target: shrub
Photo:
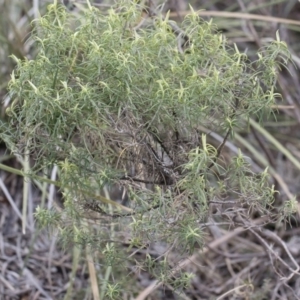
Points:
(117, 105)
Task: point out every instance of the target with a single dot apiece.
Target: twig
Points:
(156, 284)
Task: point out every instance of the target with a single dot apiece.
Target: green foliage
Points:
(47, 217)
(113, 291)
(113, 104)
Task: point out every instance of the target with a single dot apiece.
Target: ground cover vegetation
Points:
(142, 123)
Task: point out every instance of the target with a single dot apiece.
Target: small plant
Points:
(118, 105)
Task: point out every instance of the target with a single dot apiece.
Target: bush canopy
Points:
(122, 104)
